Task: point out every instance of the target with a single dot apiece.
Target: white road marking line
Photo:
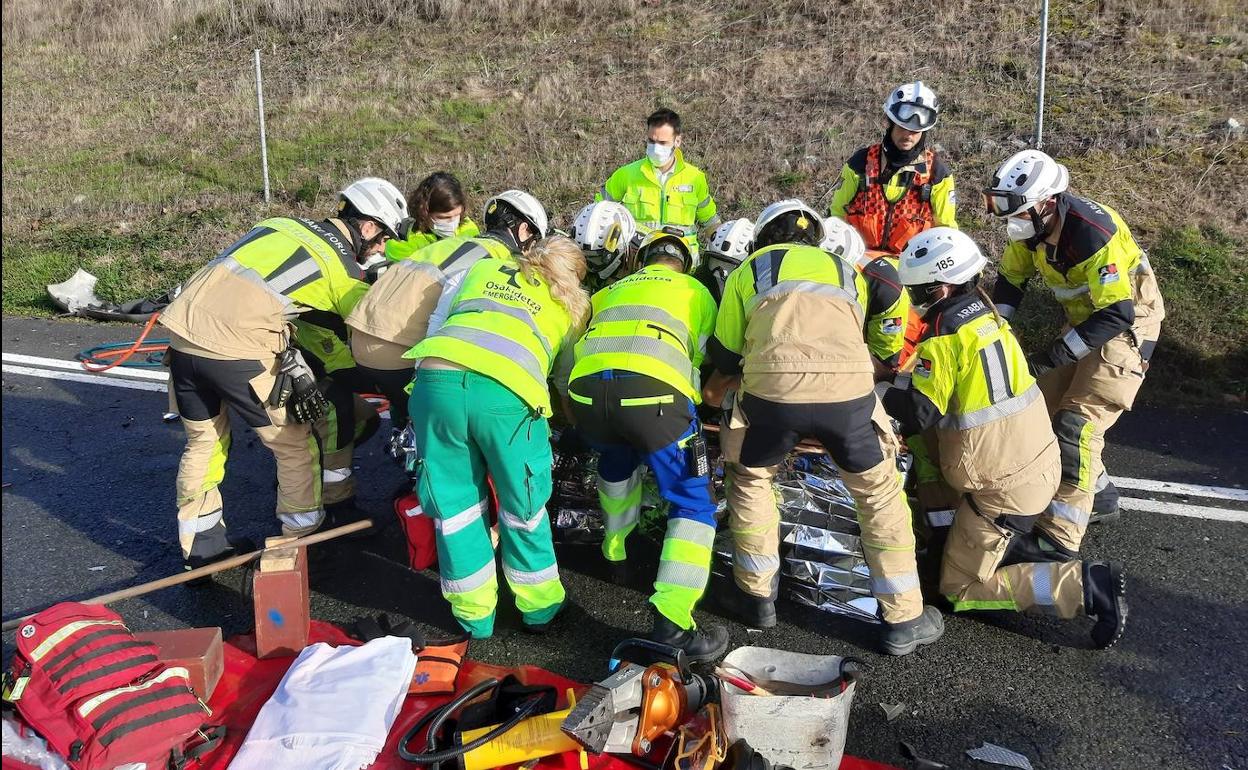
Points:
(94, 379)
(1179, 509)
(159, 375)
(1176, 488)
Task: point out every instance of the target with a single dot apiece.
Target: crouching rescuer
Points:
(634, 389)
(969, 382)
(791, 326)
(479, 408)
(231, 345)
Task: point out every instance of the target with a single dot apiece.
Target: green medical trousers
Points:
(468, 427)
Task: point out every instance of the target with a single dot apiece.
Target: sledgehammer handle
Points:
(211, 569)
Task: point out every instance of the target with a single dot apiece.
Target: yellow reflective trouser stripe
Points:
(1085, 455)
(648, 401)
(66, 632)
(216, 463)
(578, 398)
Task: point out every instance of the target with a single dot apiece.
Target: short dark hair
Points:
(436, 194)
(663, 117)
(785, 229)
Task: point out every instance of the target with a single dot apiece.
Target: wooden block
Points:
(282, 604)
(199, 650)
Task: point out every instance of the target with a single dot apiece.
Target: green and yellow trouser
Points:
(985, 524)
(469, 426)
(200, 390)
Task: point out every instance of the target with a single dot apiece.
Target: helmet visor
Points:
(1003, 203)
(915, 117)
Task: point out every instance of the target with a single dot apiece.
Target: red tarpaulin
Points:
(249, 682)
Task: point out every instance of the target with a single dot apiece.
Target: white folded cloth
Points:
(332, 710)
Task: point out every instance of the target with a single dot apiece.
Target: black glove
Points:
(368, 628)
(1040, 363)
(296, 389)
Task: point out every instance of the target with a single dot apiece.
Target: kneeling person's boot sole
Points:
(904, 638)
(1105, 598)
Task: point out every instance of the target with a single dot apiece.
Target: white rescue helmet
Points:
(604, 231)
(730, 244)
(1022, 181)
(808, 220)
(378, 200)
(913, 106)
(525, 205)
(940, 255)
(840, 238)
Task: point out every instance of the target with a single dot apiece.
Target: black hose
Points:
(437, 717)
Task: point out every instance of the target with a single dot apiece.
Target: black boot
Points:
(1035, 546)
(236, 546)
(1105, 505)
(345, 512)
(700, 644)
(903, 638)
(753, 611)
(1104, 598)
(620, 573)
(540, 629)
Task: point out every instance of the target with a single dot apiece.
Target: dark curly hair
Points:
(437, 193)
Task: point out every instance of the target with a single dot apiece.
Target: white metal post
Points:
(1044, 49)
(264, 148)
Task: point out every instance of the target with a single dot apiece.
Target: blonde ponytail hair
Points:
(561, 264)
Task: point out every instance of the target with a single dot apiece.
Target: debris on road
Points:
(920, 763)
(892, 710)
(998, 755)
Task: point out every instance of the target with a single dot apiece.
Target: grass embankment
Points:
(130, 128)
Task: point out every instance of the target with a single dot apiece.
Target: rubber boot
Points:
(700, 644)
(1105, 505)
(750, 610)
(620, 573)
(1033, 547)
(237, 546)
(345, 512)
(1104, 598)
(903, 638)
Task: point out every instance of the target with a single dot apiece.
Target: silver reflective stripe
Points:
(483, 305)
(897, 584)
(1070, 513)
(1062, 293)
(453, 524)
(807, 287)
(643, 313)
(618, 522)
(606, 196)
(423, 267)
(644, 346)
(237, 268)
(1102, 482)
(941, 518)
(470, 583)
(619, 489)
(755, 563)
(992, 357)
(1042, 584)
(690, 531)
(496, 343)
(981, 417)
(302, 519)
(201, 523)
(1078, 348)
(515, 522)
(520, 577)
(300, 272)
(679, 573)
(1006, 311)
(705, 202)
(335, 475)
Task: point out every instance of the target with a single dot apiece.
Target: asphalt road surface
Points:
(88, 508)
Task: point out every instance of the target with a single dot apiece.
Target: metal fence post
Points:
(264, 148)
(1044, 49)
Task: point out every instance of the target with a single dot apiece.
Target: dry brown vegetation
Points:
(133, 124)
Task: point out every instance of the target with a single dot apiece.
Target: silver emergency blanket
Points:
(822, 564)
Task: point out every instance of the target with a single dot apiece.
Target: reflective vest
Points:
(972, 368)
(886, 224)
(417, 240)
(887, 310)
(684, 200)
(654, 322)
(505, 326)
(238, 304)
(398, 306)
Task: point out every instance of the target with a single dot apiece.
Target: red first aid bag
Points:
(422, 548)
(100, 697)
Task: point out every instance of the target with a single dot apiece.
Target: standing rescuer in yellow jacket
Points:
(662, 189)
(892, 190)
(790, 326)
(1091, 374)
(969, 382)
(437, 209)
(231, 346)
(479, 409)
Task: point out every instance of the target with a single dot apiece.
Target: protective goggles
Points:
(915, 117)
(1003, 203)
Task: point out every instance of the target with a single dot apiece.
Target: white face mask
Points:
(659, 154)
(1019, 229)
(446, 228)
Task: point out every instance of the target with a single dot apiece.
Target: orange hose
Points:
(126, 354)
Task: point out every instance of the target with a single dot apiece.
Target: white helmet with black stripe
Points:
(913, 106)
(1022, 181)
(840, 238)
(525, 205)
(377, 200)
(604, 231)
(941, 255)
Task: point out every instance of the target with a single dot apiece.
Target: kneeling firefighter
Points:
(606, 232)
(479, 408)
(970, 383)
(231, 345)
(790, 326)
(634, 390)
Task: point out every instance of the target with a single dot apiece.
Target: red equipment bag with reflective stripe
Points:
(422, 548)
(100, 697)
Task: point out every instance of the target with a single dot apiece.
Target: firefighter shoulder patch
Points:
(923, 368)
(891, 325)
(1107, 274)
